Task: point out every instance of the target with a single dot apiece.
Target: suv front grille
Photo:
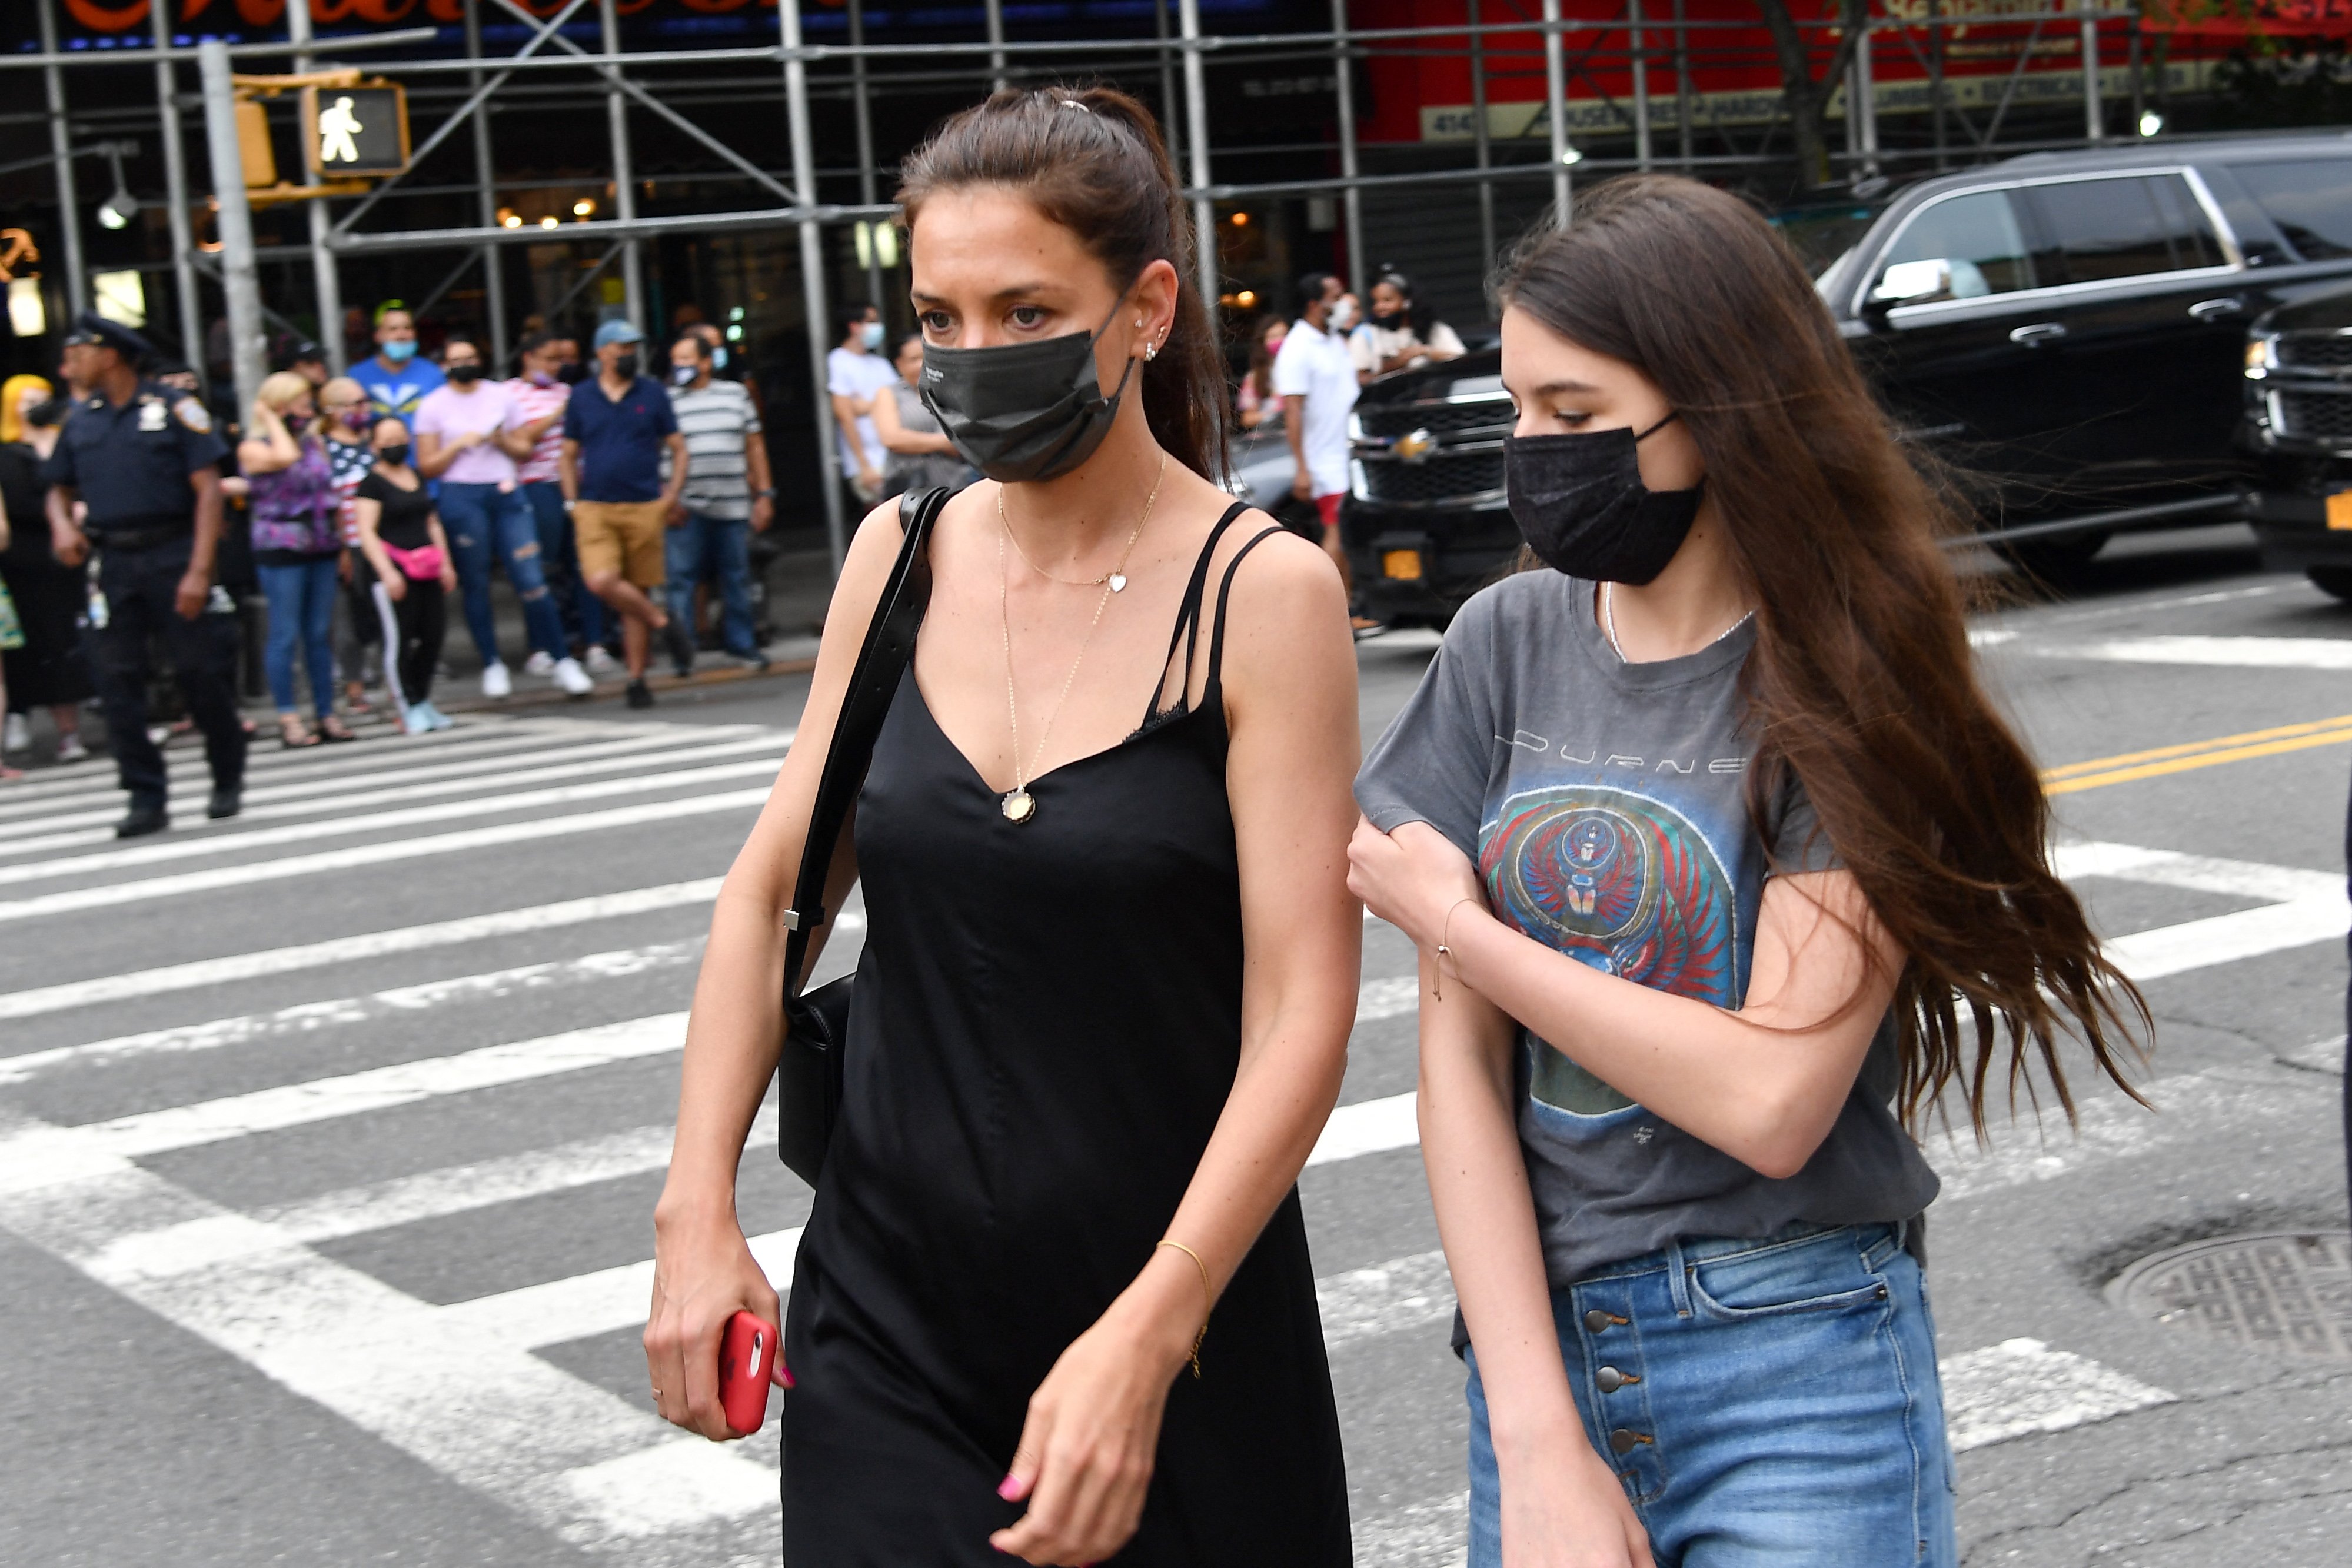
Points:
(1385, 420)
(2314, 350)
(1441, 478)
(2315, 415)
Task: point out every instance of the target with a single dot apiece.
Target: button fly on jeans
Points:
(1611, 1380)
(1623, 1440)
(1598, 1322)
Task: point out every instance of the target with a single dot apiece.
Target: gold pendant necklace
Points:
(1017, 804)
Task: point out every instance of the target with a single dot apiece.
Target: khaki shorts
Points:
(625, 538)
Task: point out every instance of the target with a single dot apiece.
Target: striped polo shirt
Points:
(714, 422)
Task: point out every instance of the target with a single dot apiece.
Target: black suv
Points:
(2067, 327)
(2299, 422)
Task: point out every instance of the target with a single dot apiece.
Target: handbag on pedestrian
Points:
(816, 1023)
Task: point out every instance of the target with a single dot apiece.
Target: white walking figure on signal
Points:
(336, 127)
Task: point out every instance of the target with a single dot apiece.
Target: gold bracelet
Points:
(1207, 1295)
(1437, 964)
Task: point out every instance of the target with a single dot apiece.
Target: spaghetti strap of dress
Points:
(1188, 616)
(1216, 687)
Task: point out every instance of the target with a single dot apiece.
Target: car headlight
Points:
(2262, 354)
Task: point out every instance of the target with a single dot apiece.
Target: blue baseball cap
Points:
(617, 332)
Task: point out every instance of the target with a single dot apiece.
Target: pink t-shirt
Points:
(533, 404)
(448, 413)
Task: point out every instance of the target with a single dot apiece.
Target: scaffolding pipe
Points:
(485, 197)
(625, 181)
(1556, 111)
(996, 44)
(1683, 106)
(325, 281)
(796, 115)
(1196, 142)
(2095, 128)
(1637, 58)
(1344, 83)
(61, 153)
(1168, 113)
(1936, 75)
(865, 116)
(175, 194)
(241, 277)
(1483, 136)
(1865, 106)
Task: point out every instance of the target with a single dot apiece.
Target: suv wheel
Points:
(2334, 580)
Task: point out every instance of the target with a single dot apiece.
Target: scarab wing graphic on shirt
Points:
(1624, 883)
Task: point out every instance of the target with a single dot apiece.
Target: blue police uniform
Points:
(132, 465)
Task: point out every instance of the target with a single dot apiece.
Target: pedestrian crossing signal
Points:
(349, 131)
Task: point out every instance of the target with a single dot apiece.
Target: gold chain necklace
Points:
(1017, 804)
(1117, 576)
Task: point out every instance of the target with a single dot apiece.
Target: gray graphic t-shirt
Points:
(1606, 807)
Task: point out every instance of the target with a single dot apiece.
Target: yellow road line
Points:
(2167, 760)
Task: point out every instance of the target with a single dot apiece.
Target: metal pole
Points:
(1196, 138)
(1556, 110)
(1684, 107)
(175, 194)
(1935, 74)
(1352, 198)
(2093, 119)
(1481, 132)
(1864, 107)
(996, 44)
(486, 181)
(240, 280)
(61, 151)
(2138, 82)
(796, 114)
(625, 184)
(326, 280)
(874, 290)
(1169, 116)
(1637, 58)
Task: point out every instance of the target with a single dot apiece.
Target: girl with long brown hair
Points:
(1723, 869)
(1052, 1298)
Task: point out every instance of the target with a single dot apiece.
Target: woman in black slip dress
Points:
(1110, 962)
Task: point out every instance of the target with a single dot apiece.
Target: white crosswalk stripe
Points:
(460, 1384)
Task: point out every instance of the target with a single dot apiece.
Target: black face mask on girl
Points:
(1582, 506)
(1023, 411)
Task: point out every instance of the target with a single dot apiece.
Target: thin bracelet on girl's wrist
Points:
(1437, 964)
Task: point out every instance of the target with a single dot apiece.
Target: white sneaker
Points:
(572, 677)
(72, 749)
(495, 682)
(17, 734)
(601, 663)
(541, 663)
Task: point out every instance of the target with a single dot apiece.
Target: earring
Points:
(1151, 352)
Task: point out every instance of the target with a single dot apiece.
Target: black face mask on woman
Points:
(1023, 411)
(1582, 506)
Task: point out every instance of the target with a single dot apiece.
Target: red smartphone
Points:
(746, 1355)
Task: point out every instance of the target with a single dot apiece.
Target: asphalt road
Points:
(329, 1139)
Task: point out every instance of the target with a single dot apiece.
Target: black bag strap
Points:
(882, 663)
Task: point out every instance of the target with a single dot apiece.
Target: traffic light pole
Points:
(326, 277)
(240, 277)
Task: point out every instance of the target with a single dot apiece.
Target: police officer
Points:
(142, 455)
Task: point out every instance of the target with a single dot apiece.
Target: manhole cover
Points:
(2286, 1291)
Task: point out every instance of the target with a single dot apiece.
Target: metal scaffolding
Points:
(1637, 40)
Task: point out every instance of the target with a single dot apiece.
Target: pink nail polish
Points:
(1008, 1488)
(787, 1373)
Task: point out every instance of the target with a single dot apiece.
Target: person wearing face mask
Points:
(298, 539)
(542, 393)
(921, 457)
(728, 500)
(409, 574)
(1399, 334)
(856, 375)
(1723, 868)
(345, 421)
(51, 597)
(1316, 381)
(396, 381)
(468, 435)
(618, 431)
(1052, 1303)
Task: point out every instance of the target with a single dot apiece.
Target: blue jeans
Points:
(1769, 1404)
(724, 545)
(301, 613)
(582, 612)
(484, 523)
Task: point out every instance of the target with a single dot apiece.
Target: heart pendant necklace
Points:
(1017, 804)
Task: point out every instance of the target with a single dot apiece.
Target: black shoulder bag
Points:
(816, 1024)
